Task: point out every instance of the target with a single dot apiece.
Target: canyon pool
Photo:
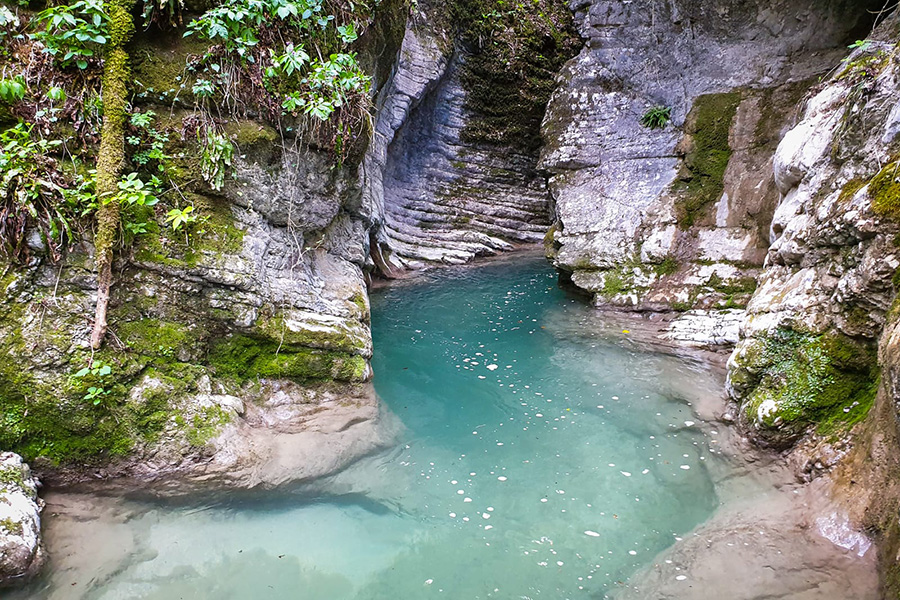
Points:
(543, 453)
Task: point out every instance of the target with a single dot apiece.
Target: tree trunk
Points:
(114, 91)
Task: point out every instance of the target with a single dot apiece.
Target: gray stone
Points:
(21, 554)
(612, 179)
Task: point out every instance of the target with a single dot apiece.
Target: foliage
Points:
(286, 57)
(98, 373)
(12, 90)
(73, 34)
(162, 12)
(148, 143)
(657, 117)
(34, 193)
(179, 218)
(133, 196)
(216, 158)
(861, 45)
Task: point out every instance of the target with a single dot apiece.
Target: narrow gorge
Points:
(480, 299)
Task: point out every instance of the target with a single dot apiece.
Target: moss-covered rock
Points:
(513, 54)
(884, 191)
(244, 357)
(159, 62)
(707, 152)
(802, 380)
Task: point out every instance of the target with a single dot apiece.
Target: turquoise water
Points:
(541, 457)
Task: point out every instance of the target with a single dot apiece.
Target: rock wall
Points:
(451, 175)
(808, 353)
(249, 322)
(679, 216)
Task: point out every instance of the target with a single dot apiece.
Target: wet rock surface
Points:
(785, 545)
(21, 552)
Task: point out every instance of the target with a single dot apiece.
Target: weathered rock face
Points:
(679, 216)
(273, 290)
(450, 174)
(265, 297)
(20, 521)
(808, 350)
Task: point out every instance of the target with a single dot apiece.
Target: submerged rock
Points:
(21, 554)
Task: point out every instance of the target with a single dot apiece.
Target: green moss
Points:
(668, 266)
(513, 53)
(208, 241)
(884, 191)
(613, 284)
(11, 527)
(729, 287)
(255, 140)
(828, 381)
(244, 357)
(159, 64)
(205, 425)
(45, 414)
(154, 337)
(850, 188)
(340, 339)
(11, 477)
(708, 126)
(686, 305)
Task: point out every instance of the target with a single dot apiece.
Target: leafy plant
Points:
(12, 90)
(162, 12)
(179, 218)
(33, 193)
(135, 197)
(287, 57)
(57, 94)
(134, 192)
(216, 158)
(97, 372)
(73, 34)
(204, 88)
(860, 45)
(148, 142)
(657, 117)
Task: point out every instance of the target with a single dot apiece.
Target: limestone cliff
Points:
(678, 216)
(452, 169)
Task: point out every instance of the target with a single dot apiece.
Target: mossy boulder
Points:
(21, 555)
(802, 381)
